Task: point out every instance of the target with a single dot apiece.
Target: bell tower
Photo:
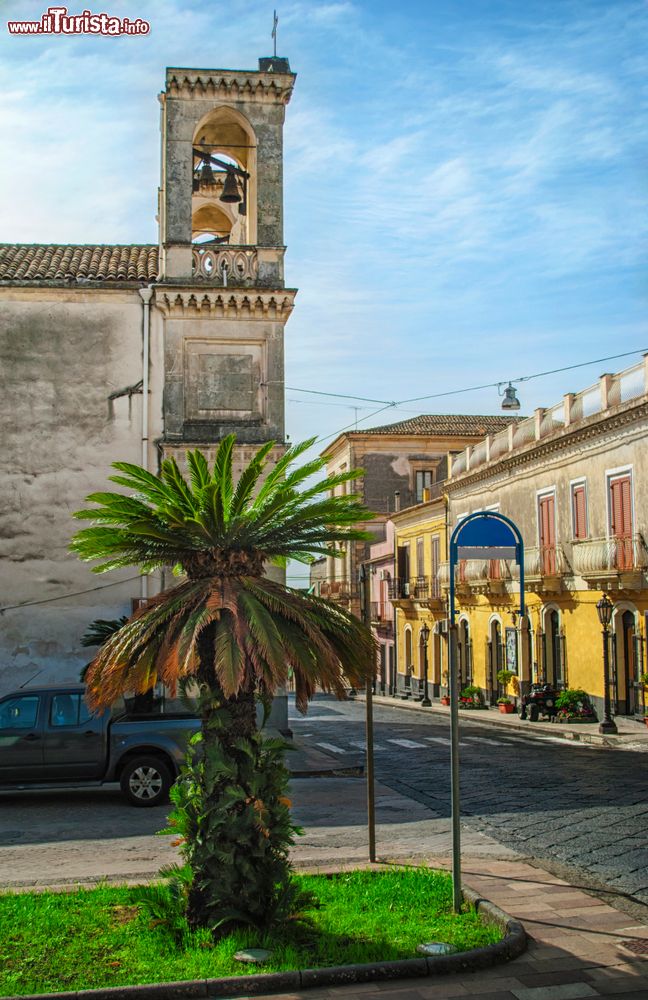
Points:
(221, 288)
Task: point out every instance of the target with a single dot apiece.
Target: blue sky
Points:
(466, 186)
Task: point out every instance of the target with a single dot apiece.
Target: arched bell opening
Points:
(224, 179)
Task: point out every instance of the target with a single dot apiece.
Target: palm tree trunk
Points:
(241, 828)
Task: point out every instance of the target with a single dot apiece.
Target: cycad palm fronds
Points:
(221, 534)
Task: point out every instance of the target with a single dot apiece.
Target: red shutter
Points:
(621, 520)
(579, 512)
(547, 536)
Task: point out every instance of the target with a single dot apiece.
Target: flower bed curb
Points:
(512, 945)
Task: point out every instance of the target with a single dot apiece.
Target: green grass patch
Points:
(92, 938)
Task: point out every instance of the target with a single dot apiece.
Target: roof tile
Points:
(93, 262)
(445, 425)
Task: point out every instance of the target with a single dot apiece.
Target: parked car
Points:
(49, 739)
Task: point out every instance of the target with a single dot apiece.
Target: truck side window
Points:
(64, 710)
(19, 713)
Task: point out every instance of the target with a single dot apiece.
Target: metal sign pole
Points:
(457, 897)
(371, 797)
(454, 742)
(482, 535)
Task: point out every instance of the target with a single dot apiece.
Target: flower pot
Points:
(445, 699)
(646, 719)
(506, 709)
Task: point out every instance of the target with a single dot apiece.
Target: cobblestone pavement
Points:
(583, 807)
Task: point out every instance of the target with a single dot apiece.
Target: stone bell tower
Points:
(221, 287)
(221, 290)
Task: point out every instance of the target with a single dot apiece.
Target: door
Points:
(621, 522)
(21, 739)
(547, 532)
(74, 744)
(554, 670)
(628, 700)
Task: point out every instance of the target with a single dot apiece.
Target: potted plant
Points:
(445, 698)
(643, 679)
(471, 697)
(505, 704)
(574, 705)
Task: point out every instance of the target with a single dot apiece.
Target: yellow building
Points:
(574, 479)
(417, 596)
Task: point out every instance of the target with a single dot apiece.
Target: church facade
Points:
(139, 352)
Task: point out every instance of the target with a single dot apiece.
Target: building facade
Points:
(135, 353)
(402, 463)
(574, 479)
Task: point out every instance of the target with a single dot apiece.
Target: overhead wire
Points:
(62, 597)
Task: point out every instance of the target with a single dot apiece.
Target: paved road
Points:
(580, 806)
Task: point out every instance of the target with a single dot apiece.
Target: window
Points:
(420, 566)
(547, 533)
(621, 520)
(19, 713)
(424, 479)
(68, 710)
(579, 511)
(435, 559)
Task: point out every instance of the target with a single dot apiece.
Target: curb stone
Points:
(512, 945)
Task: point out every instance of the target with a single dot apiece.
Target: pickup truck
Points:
(49, 739)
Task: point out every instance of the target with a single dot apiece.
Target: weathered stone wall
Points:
(62, 353)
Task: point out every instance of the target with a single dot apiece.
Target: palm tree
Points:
(234, 634)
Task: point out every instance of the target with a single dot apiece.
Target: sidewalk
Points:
(579, 946)
(631, 735)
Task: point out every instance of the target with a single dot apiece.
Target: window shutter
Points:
(621, 520)
(579, 512)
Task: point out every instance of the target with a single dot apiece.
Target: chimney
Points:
(397, 501)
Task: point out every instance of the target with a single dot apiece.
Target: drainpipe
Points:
(145, 294)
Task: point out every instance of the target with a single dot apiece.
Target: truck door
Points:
(74, 744)
(21, 738)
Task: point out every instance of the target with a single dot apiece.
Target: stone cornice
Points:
(225, 304)
(230, 85)
(567, 440)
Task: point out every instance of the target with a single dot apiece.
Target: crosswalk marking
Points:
(438, 739)
(362, 745)
(409, 744)
(331, 747)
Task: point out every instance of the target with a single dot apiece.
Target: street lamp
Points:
(424, 638)
(604, 610)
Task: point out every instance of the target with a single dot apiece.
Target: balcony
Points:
(475, 576)
(399, 589)
(488, 576)
(382, 618)
(335, 589)
(545, 567)
(617, 562)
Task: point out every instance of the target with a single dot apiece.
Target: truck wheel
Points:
(145, 781)
(534, 712)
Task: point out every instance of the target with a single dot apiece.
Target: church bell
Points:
(230, 189)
